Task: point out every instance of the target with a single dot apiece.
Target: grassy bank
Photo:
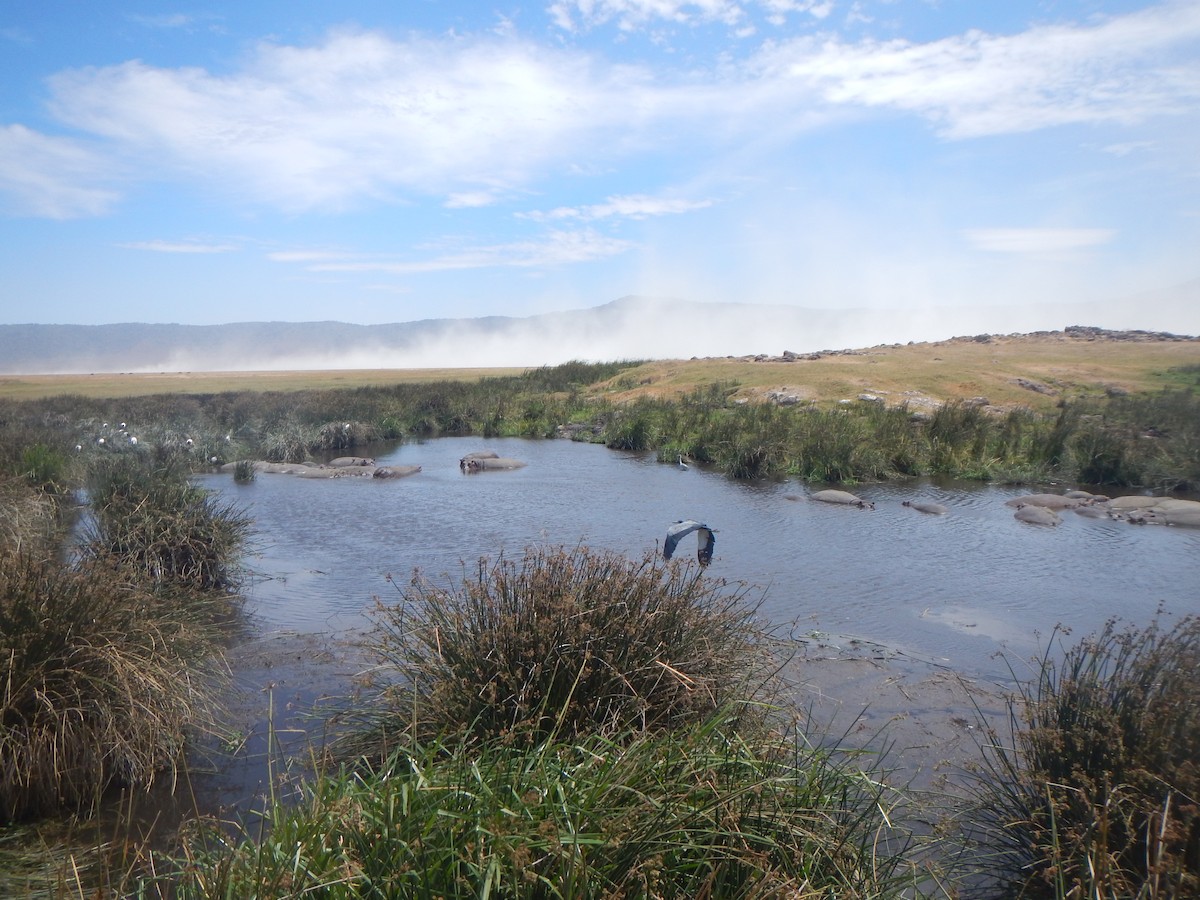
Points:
(1101, 436)
(107, 649)
(573, 725)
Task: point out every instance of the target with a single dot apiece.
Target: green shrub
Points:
(565, 641)
(700, 812)
(1098, 792)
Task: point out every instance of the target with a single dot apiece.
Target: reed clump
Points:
(98, 678)
(153, 523)
(569, 641)
(1097, 793)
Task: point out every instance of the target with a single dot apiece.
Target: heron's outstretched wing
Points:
(707, 540)
(680, 530)
(676, 533)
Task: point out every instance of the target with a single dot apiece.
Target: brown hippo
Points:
(465, 462)
(343, 462)
(489, 463)
(845, 498)
(1036, 515)
(934, 509)
(1046, 501)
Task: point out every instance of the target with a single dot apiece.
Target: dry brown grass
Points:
(927, 373)
(937, 372)
(124, 384)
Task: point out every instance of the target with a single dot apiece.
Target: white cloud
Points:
(358, 116)
(178, 247)
(470, 199)
(362, 118)
(1125, 69)
(575, 15)
(558, 248)
(1037, 240)
(629, 14)
(51, 177)
(633, 206)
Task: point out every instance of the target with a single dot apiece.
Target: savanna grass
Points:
(1097, 794)
(28, 516)
(565, 641)
(97, 681)
(701, 811)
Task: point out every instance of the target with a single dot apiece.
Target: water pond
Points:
(897, 609)
(955, 588)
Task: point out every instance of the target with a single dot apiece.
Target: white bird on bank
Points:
(682, 464)
(704, 537)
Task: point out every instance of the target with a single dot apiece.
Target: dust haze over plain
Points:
(629, 328)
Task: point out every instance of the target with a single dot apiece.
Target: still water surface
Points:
(955, 588)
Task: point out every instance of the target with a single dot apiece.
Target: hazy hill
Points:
(629, 328)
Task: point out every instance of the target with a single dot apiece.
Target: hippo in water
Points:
(1036, 515)
(1046, 501)
(489, 463)
(934, 509)
(845, 498)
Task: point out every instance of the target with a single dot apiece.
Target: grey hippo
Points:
(844, 498)
(934, 509)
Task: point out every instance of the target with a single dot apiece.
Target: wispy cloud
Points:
(633, 206)
(179, 247)
(1124, 69)
(574, 15)
(1037, 240)
(361, 118)
(52, 177)
(558, 248)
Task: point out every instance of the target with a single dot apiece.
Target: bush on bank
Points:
(1097, 793)
(98, 679)
(108, 649)
(570, 725)
(564, 642)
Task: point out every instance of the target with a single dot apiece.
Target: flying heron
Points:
(704, 537)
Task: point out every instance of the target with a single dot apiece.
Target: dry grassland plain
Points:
(1028, 370)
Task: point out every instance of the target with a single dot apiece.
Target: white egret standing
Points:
(681, 529)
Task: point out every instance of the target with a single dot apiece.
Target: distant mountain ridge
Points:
(628, 328)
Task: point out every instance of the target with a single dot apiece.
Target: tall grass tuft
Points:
(1098, 792)
(163, 530)
(565, 641)
(698, 812)
(28, 516)
(97, 680)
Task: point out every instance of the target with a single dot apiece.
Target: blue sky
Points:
(389, 161)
